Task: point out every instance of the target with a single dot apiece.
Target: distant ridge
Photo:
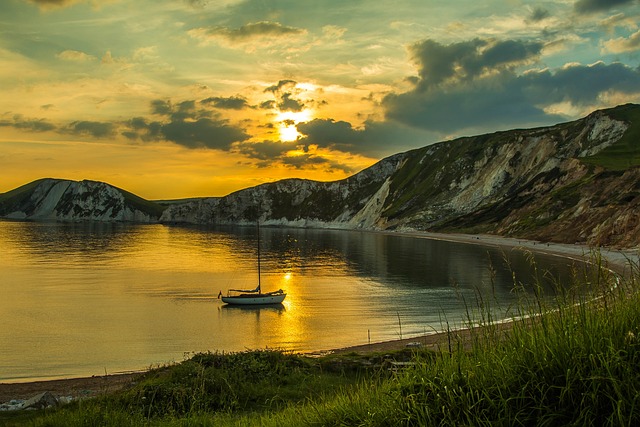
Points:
(65, 200)
(572, 182)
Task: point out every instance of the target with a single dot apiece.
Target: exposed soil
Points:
(74, 387)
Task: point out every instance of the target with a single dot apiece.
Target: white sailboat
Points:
(253, 296)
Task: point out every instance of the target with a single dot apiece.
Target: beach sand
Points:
(617, 260)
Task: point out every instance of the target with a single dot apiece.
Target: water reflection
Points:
(91, 297)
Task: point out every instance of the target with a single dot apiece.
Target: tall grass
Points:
(573, 361)
(570, 360)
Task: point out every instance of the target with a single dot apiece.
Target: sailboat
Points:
(253, 296)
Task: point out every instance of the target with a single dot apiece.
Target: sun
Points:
(287, 121)
(288, 133)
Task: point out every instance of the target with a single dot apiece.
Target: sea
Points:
(82, 299)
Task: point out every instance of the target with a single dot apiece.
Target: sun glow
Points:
(287, 121)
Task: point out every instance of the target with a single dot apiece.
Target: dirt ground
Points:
(74, 387)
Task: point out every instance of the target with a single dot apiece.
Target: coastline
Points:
(617, 260)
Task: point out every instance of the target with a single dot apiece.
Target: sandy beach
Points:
(617, 260)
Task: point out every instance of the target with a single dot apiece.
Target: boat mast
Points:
(259, 287)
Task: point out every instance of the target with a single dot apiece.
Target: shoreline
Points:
(84, 387)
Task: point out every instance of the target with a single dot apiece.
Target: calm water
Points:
(85, 299)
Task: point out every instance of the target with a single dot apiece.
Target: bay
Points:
(95, 298)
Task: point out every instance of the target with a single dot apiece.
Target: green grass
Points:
(570, 360)
(625, 153)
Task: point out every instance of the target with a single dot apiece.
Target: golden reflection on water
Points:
(82, 299)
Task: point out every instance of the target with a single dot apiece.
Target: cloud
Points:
(374, 139)
(258, 30)
(161, 107)
(91, 128)
(266, 150)
(32, 125)
(506, 98)
(290, 154)
(267, 105)
(276, 88)
(182, 111)
(590, 6)
(263, 32)
(539, 14)
(622, 44)
(186, 125)
(287, 103)
(48, 4)
(203, 133)
(231, 103)
(304, 161)
(284, 91)
(466, 60)
(75, 56)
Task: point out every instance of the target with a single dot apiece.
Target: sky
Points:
(193, 98)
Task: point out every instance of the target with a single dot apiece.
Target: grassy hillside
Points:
(137, 202)
(17, 196)
(625, 153)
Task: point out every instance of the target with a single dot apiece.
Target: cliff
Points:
(572, 182)
(64, 200)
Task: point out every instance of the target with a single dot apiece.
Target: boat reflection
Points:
(277, 308)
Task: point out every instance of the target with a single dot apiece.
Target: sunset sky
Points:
(190, 98)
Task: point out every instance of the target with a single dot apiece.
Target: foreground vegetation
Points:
(575, 361)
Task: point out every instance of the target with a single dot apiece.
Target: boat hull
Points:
(264, 299)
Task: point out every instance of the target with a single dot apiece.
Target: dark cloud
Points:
(266, 150)
(589, 6)
(375, 139)
(506, 99)
(184, 110)
(138, 123)
(140, 128)
(287, 103)
(231, 103)
(579, 84)
(284, 92)
(268, 105)
(185, 125)
(329, 133)
(539, 14)
(305, 160)
(438, 63)
(203, 133)
(281, 84)
(32, 125)
(161, 107)
(54, 3)
(90, 128)
(198, 4)
(251, 31)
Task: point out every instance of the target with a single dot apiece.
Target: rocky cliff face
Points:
(544, 183)
(63, 200)
(573, 182)
(518, 183)
(349, 203)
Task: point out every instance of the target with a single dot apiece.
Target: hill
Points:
(572, 182)
(64, 200)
